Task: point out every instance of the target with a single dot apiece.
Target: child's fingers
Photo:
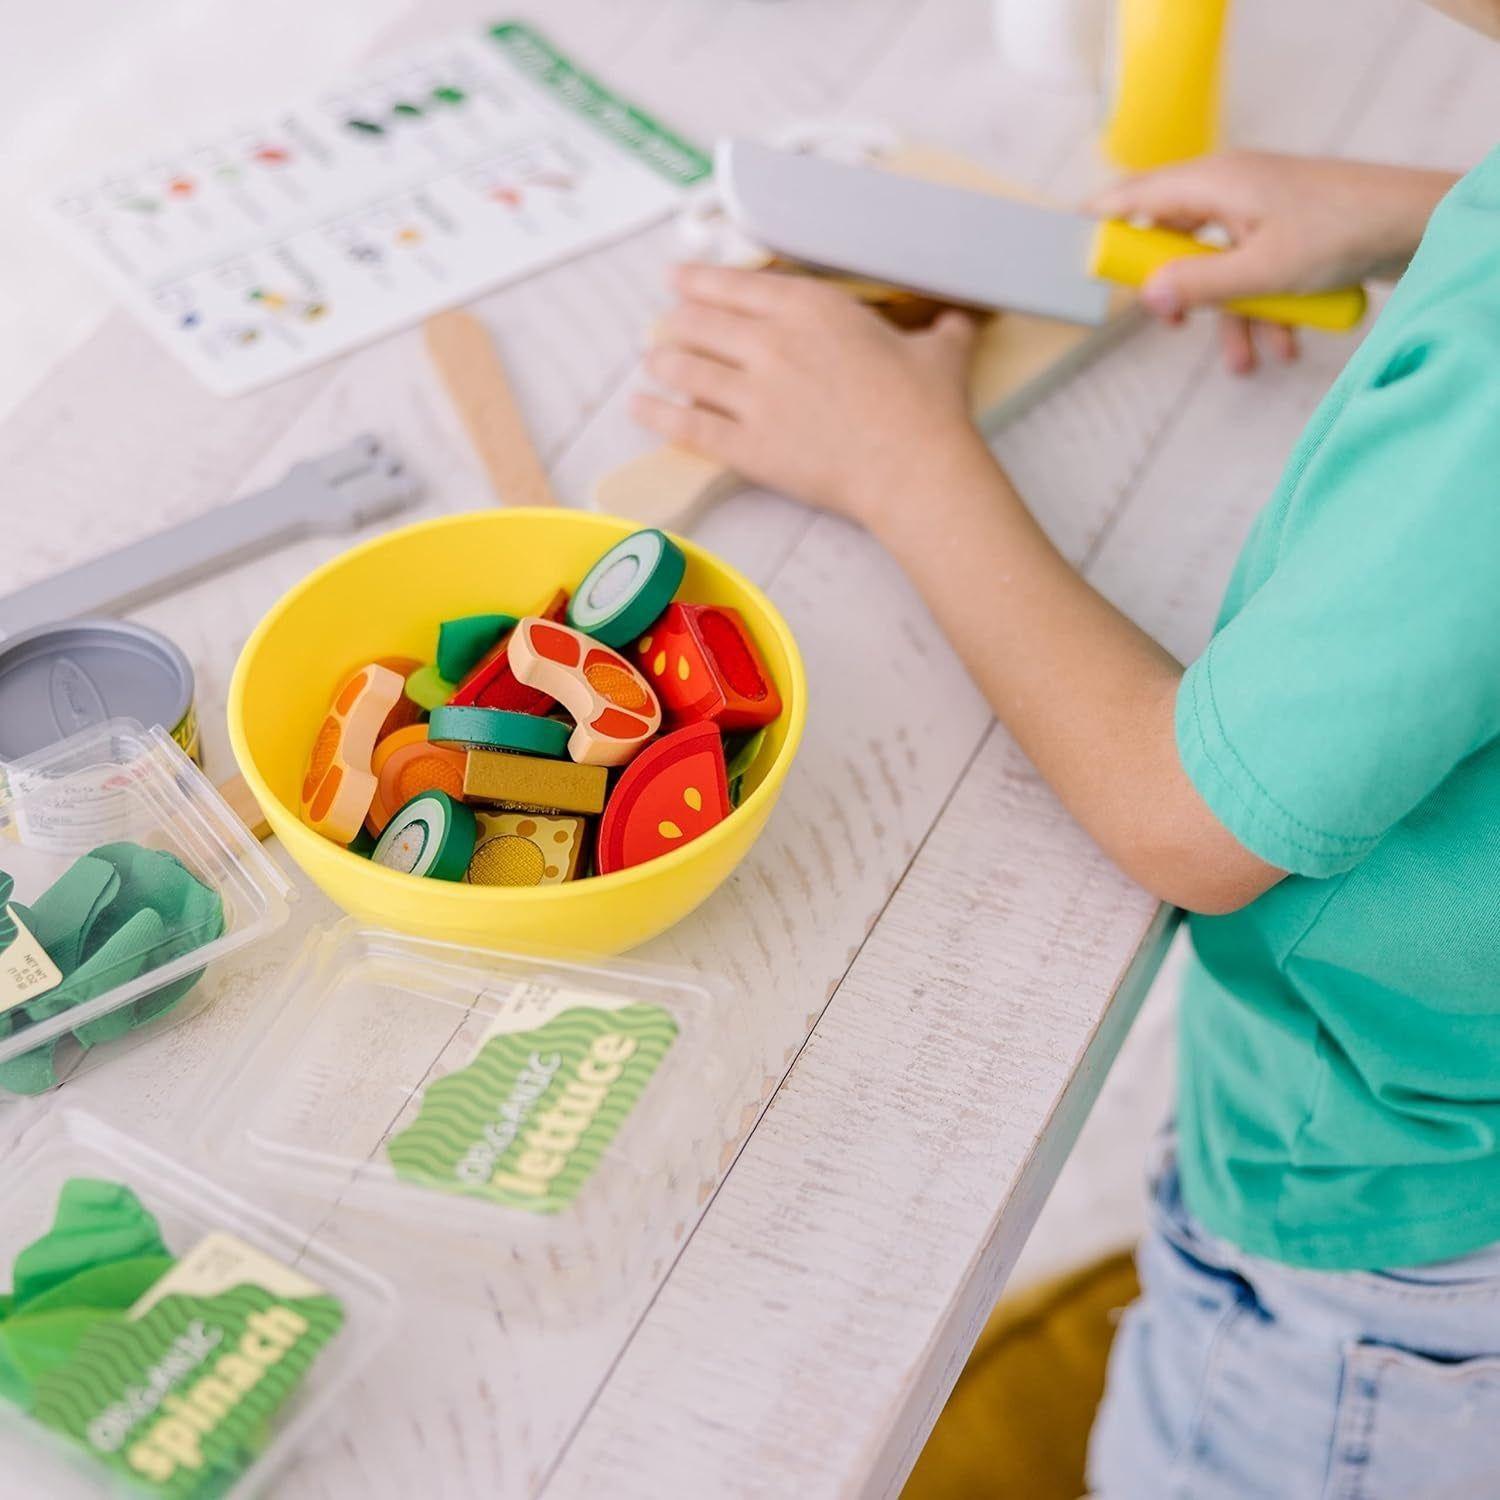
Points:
(708, 381)
(1284, 341)
(950, 340)
(727, 336)
(1180, 197)
(756, 292)
(1201, 280)
(693, 427)
(958, 328)
(1237, 343)
(1196, 192)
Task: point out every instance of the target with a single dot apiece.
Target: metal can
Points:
(59, 679)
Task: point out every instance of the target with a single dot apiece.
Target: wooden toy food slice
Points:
(428, 688)
(497, 729)
(492, 684)
(671, 793)
(615, 709)
(527, 783)
(407, 763)
(431, 835)
(739, 759)
(705, 667)
(628, 588)
(339, 785)
(464, 643)
(407, 710)
(525, 849)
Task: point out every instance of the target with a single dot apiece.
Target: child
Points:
(1321, 1308)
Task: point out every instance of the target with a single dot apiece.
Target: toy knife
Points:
(352, 486)
(975, 249)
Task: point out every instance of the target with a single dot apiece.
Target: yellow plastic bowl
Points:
(386, 598)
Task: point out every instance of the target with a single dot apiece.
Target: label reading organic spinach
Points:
(179, 1396)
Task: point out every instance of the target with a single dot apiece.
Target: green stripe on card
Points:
(662, 149)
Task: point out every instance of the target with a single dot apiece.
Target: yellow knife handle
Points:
(1127, 255)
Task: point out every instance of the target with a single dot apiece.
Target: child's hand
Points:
(798, 387)
(1296, 225)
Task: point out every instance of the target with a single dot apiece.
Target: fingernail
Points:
(1161, 297)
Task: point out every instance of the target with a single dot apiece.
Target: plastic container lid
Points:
(561, 1119)
(59, 680)
(116, 1403)
(131, 879)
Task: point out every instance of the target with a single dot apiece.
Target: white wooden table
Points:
(938, 964)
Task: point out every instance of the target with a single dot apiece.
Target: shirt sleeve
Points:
(1367, 665)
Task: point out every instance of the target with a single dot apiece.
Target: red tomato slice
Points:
(492, 684)
(673, 792)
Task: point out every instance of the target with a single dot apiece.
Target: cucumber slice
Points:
(499, 729)
(432, 835)
(624, 593)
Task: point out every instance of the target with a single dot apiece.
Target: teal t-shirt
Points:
(1339, 1098)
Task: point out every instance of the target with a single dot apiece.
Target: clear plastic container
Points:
(60, 1145)
(563, 1120)
(146, 931)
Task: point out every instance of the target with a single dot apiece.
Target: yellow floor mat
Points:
(1017, 1424)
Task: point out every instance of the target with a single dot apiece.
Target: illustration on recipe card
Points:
(281, 243)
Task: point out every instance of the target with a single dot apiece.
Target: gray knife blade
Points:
(973, 248)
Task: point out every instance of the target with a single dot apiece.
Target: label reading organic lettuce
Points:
(528, 1120)
(178, 1397)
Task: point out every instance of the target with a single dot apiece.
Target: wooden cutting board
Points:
(1018, 359)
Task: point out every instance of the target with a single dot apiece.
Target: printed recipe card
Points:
(296, 237)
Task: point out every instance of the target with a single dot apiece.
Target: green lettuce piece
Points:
(102, 1253)
(96, 1223)
(112, 915)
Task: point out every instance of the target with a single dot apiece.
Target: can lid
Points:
(59, 679)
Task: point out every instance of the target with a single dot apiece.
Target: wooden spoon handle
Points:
(236, 792)
(668, 488)
(465, 357)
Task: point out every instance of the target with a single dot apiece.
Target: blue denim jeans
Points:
(1236, 1378)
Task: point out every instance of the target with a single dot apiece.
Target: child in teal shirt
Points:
(1319, 789)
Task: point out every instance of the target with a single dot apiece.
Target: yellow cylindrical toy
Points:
(1167, 69)
(1124, 254)
(388, 596)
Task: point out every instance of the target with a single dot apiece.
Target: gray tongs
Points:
(350, 487)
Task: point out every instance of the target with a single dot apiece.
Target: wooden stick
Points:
(465, 357)
(668, 488)
(236, 792)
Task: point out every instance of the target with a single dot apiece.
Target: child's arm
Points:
(798, 387)
(1296, 224)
